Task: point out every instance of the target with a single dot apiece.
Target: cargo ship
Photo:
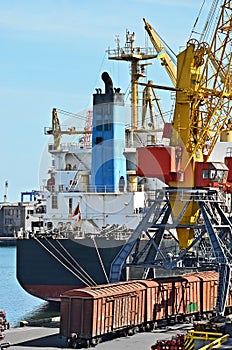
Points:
(94, 198)
(106, 217)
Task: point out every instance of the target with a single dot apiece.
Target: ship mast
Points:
(133, 55)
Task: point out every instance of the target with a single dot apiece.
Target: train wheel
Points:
(136, 330)
(125, 333)
(70, 342)
(148, 327)
(74, 344)
(131, 331)
(94, 341)
(191, 319)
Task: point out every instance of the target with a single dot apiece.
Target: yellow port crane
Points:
(202, 111)
(190, 205)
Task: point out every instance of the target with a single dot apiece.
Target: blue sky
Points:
(52, 55)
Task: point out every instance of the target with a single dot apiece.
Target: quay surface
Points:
(34, 337)
(46, 337)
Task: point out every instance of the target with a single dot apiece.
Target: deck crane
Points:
(57, 132)
(191, 204)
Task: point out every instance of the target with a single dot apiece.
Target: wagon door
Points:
(134, 310)
(164, 301)
(109, 312)
(65, 317)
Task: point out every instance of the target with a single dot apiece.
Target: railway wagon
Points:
(208, 292)
(91, 313)
(177, 299)
(229, 299)
(88, 314)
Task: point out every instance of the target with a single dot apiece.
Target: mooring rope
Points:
(54, 256)
(100, 259)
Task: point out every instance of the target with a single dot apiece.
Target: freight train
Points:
(91, 314)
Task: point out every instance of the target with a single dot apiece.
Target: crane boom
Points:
(203, 106)
(162, 54)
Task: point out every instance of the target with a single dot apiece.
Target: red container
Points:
(229, 301)
(165, 301)
(228, 162)
(179, 296)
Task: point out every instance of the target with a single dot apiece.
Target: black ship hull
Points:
(48, 267)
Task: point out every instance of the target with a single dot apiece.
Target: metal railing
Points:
(86, 189)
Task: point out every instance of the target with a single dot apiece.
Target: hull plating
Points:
(48, 267)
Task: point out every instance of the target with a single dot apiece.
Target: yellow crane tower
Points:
(202, 82)
(203, 107)
(190, 204)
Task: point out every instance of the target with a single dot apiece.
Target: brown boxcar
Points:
(153, 309)
(178, 298)
(163, 299)
(229, 300)
(209, 291)
(88, 314)
(189, 297)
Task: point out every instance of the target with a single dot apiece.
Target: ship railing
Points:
(128, 50)
(70, 147)
(87, 188)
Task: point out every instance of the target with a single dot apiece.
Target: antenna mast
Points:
(134, 55)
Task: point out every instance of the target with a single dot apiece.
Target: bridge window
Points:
(99, 125)
(98, 140)
(107, 123)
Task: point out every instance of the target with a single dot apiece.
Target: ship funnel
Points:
(108, 83)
